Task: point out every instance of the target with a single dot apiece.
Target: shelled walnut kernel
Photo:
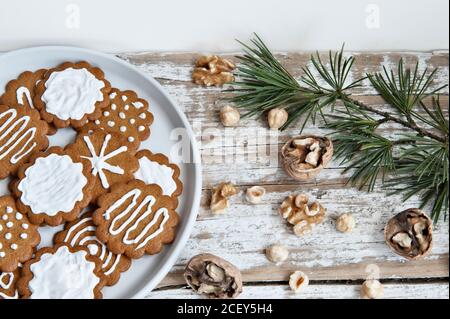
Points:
(219, 197)
(213, 70)
(304, 216)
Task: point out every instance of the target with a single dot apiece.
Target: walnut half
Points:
(409, 233)
(213, 276)
(213, 70)
(303, 157)
(304, 216)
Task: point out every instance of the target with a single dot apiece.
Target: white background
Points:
(208, 25)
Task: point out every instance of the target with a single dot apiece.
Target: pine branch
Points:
(421, 166)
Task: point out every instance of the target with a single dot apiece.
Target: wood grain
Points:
(248, 155)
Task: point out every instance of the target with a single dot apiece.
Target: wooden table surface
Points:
(336, 263)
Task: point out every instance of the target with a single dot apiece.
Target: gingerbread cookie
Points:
(62, 272)
(21, 91)
(22, 133)
(8, 281)
(156, 169)
(18, 237)
(81, 232)
(127, 115)
(53, 187)
(72, 93)
(109, 155)
(135, 218)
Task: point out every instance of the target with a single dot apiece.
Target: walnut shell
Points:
(410, 234)
(296, 160)
(213, 276)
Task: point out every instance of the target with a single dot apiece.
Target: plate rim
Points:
(182, 236)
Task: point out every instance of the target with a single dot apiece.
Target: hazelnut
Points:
(303, 157)
(372, 289)
(213, 276)
(255, 194)
(345, 223)
(410, 234)
(298, 281)
(277, 118)
(277, 253)
(229, 116)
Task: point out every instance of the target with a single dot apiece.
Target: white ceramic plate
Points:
(147, 272)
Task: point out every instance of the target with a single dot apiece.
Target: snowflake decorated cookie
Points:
(135, 219)
(127, 115)
(8, 281)
(81, 232)
(22, 133)
(53, 187)
(110, 156)
(71, 94)
(156, 169)
(18, 237)
(62, 272)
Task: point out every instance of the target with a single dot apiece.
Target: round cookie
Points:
(81, 232)
(22, 133)
(8, 281)
(156, 169)
(135, 219)
(20, 92)
(109, 155)
(53, 187)
(62, 272)
(127, 115)
(18, 237)
(71, 94)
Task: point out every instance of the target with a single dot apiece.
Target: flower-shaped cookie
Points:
(75, 274)
(135, 219)
(18, 237)
(22, 133)
(127, 115)
(81, 232)
(71, 94)
(109, 155)
(53, 187)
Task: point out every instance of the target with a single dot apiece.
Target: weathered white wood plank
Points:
(322, 291)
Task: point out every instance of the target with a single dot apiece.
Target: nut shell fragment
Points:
(303, 157)
(213, 276)
(410, 234)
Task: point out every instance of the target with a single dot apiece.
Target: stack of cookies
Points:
(116, 203)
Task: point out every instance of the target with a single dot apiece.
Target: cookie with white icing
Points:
(127, 115)
(22, 133)
(62, 272)
(71, 94)
(18, 237)
(53, 187)
(110, 156)
(20, 92)
(81, 232)
(8, 281)
(156, 169)
(135, 219)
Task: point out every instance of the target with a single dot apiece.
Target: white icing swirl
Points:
(63, 275)
(155, 173)
(52, 184)
(72, 93)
